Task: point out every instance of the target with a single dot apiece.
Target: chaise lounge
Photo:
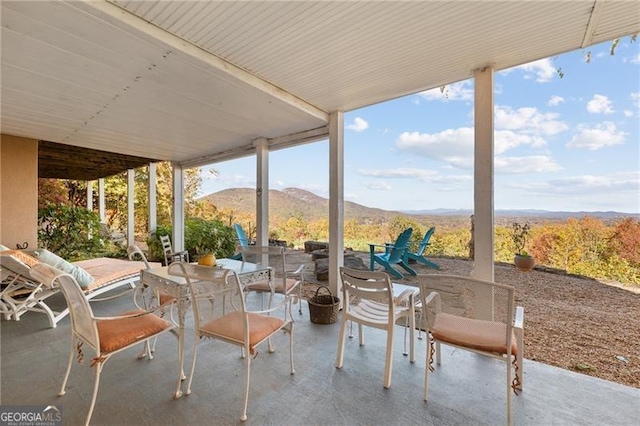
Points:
(21, 293)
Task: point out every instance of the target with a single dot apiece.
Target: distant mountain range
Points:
(299, 202)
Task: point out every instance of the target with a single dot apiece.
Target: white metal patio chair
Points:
(171, 256)
(106, 336)
(368, 301)
(477, 316)
(282, 281)
(220, 312)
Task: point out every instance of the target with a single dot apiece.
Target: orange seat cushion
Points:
(231, 327)
(118, 333)
(476, 334)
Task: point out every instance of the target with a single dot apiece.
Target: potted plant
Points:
(520, 236)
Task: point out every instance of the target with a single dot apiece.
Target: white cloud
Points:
(399, 173)
(635, 98)
(616, 183)
(235, 181)
(600, 136)
(530, 164)
(600, 104)
(455, 146)
(635, 59)
(359, 125)
(627, 113)
(461, 91)
(543, 69)
(378, 186)
(555, 100)
(528, 120)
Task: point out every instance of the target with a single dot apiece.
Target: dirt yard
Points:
(571, 322)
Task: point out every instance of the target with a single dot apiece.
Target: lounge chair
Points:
(21, 293)
(243, 241)
(418, 255)
(394, 254)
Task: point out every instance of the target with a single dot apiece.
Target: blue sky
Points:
(561, 144)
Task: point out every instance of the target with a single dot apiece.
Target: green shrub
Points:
(201, 237)
(73, 233)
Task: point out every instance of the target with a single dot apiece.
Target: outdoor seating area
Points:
(468, 389)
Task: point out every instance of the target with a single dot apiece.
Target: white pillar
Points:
(262, 192)
(178, 207)
(153, 200)
(483, 182)
(131, 183)
(336, 200)
(90, 195)
(102, 211)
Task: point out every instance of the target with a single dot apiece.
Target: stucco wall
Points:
(18, 191)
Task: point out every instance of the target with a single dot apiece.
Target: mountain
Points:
(299, 202)
(295, 202)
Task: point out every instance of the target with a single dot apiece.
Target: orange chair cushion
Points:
(476, 334)
(118, 333)
(231, 327)
(264, 286)
(166, 298)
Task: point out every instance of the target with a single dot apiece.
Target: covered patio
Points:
(465, 389)
(196, 83)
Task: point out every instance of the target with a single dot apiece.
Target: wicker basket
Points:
(323, 309)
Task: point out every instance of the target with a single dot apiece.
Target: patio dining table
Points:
(159, 279)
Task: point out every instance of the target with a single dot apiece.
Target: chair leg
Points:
(509, 390)
(193, 363)
(426, 373)
(293, 369)
(408, 268)
(361, 334)
(66, 375)
(95, 391)
(246, 388)
(341, 339)
(412, 335)
(388, 363)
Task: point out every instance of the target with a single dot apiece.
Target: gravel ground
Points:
(572, 322)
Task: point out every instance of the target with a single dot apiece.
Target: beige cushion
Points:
(22, 257)
(264, 285)
(231, 327)
(476, 334)
(118, 333)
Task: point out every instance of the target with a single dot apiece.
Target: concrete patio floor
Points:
(466, 389)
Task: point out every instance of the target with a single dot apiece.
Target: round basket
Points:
(323, 308)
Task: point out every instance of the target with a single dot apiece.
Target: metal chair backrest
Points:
(271, 256)
(79, 309)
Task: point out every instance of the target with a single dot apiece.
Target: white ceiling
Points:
(188, 81)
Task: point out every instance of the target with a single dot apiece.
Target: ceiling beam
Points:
(596, 12)
(175, 42)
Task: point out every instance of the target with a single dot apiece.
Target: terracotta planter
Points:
(524, 263)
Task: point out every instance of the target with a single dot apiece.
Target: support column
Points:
(90, 195)
(153, 200)
(131, 182)
(262, 192)
(336, 200)
(483, 183)
(102, 211)
(178, 207)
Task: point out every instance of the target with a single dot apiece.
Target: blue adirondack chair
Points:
(242, 240)
(394, 254)
(418, 256)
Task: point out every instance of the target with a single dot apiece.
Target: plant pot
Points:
(524, 263)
